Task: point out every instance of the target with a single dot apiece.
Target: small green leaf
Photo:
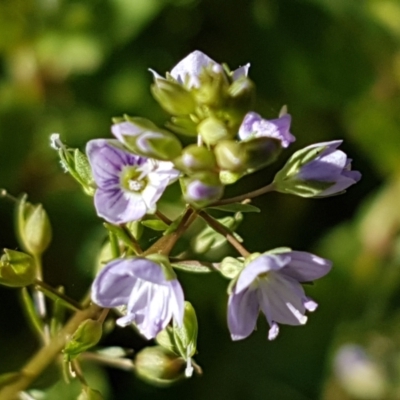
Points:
(155, 224)
(236, 207)
(193, 266)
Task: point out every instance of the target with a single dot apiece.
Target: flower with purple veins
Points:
(140, 285)
(254, 125)
(271, 283)
(128, 185)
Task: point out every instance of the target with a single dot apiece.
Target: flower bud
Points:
(212, 130)
(196, 158)
(260, 152)
(241, 95)
(230, 156)
(173, 97)
(230, 267)
(202, 189)
(86, 336)
(33, 227)
(182, 125)
(318, 170)
(144, 138)
(17, 269)
(158, 366)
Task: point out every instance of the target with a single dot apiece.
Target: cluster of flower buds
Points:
(128, 175)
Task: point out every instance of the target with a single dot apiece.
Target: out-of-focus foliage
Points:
(70, 66)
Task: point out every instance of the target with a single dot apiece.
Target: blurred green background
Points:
(70, 66)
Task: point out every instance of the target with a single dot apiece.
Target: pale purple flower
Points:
(254, 125)
(332, 166)
(140, 285)
(188, 70)
(271, 283)
(128, 185)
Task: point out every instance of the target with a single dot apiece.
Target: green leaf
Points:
(155, 224)
(236, 207)
(193, 266)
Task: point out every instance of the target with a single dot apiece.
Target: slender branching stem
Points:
(218, 227)
(45, 288)
(163, 217)
(249, 195)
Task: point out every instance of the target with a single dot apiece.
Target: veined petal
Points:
(262, 264)
(117, 206)
(241, 71)
(113, 285)
(243, 311)
(305, 267)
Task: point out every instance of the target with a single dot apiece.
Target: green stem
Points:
(53, 293)
(43, 358)
(218, 227)
(163, 218)
(250, 195)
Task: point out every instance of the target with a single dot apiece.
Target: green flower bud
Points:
(212, 130)
(241, 96)
(260, 152)
(230, 156)
(196, 158)
(173, 97)
(17, 269)
(88, 393)
(33, 226)
(158, 366)
(228, 178)
(143, 137)
(86, 336)
(202, 188)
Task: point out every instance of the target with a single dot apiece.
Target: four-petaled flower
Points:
(140, 285)
(128, 185)
(254, 125)
(271, 283)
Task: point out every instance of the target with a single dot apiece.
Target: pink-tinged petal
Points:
(117, 206)
(260, 265)
(112, 286)
(242, 314)
(282, 300)
(305, 267)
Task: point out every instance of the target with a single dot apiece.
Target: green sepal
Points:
(278, 250)
(196, 159)
(88, 393)
(286, 180)
(213, 130)
(185, 336)
(173, 97)
(231, 267)
(182, 125)
(165, 265)
(229, 178)
(166, 339)
(31, 313)
(155, 224)
(58, 314)
(17, 269)
(236, 207)
(193, 266)
(86, 336)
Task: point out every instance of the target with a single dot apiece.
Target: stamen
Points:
(189, 367)
(135, 185)
(55, 141)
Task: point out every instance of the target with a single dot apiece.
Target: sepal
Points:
(17, 269)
